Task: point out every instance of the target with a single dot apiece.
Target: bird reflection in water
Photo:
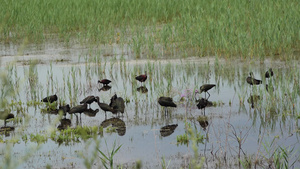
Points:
(142, 89)
(203, 121)
(116, 123)
(91, 112)
(5, 130)
(253, 99)
(64, 124)
(167, 130)
(104, 88)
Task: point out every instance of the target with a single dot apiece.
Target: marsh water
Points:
(72, 73)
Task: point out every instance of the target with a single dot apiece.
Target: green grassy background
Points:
(230, 28)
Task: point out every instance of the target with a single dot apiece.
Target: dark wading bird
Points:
(105, 82)
(50, 99)
(167, 130)
(142, 78)
(269, 73)
(78, 109)
(117, 103)
(5, 115)
(89, 100)
(166, 102)
(203, 103)
(205, 88)
(105, 107)
(252, 81)
(64, 109)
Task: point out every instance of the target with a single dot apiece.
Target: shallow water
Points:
(72, 73)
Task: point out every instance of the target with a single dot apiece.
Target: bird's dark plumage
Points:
(166, 102)
(142, 78)
(89, 100)
(205, 88)
(252, 81)
(105, 107)
(64, 109)
(78, 109)
(105, 82)
(269, 73)
(91, 112)
(50, 99)
(117, 103)
(202, 103)
(5, 115)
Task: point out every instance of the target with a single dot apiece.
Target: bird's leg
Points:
(208, 95)
(204, 111)
(5, 123)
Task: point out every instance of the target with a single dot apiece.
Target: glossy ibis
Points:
(5, 115)
(50, 99)
(166, 102)
(167, 130)
(64, 109)
(202, 103)
(105, 107)
(269, 73)
(142, 78)
(78, 109)
(89, 100)
(252, 81)
(105, 82)
(117, 103)
(205, 88)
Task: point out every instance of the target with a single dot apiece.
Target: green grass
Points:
(230, 28)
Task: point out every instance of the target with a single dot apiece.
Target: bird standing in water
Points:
(105, 107)
(89, 100)
(142, 78)
(117, 104)
(269, 73)
(105, 82)
(5, 115)
(50, 99)
(166, 102)
(205, 88)
(252, 81)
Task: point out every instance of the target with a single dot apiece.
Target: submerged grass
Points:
(231, 28)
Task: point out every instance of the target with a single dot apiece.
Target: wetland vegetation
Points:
(66, 47)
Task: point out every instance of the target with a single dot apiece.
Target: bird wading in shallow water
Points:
(166, 102)
(105, 82)
(142, 78)
(105, 107)
(205, 88)
(5, 115)
(50, 99)
(252, 81)
(269, 73)
(117, 103)
(89, 100)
